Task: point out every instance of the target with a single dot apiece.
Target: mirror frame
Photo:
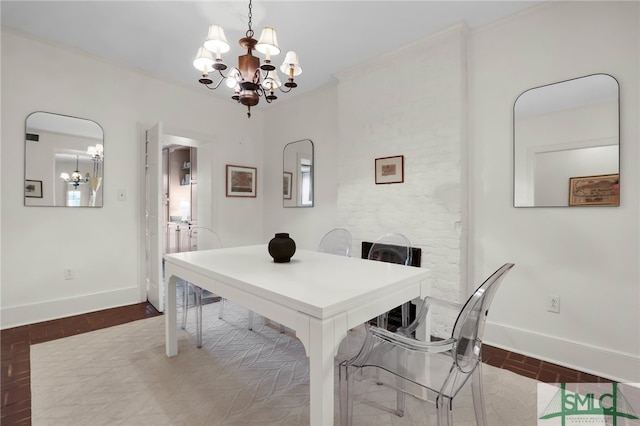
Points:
(312, 172)
(55, 129)
(515, 149)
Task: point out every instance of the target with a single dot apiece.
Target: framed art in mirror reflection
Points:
(603, 190)
(286, 185)
(33, 188)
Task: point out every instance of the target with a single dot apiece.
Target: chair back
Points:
(392, 248)
(200, 238)
(337, 241)
(469, 327)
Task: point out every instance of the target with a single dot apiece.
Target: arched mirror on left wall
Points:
(64, 161)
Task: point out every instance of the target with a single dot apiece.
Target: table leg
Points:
(323, 342)
(321, 352)
(171, 318)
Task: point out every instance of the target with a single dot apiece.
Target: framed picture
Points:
(241, 181)
(603, 190)
(286, 185)
(33, 188)
(390, 169)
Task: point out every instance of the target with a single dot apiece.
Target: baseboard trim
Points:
(16, 316)
(615, 365)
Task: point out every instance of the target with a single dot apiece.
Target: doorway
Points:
(178, 194)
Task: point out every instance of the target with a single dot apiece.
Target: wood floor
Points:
(16, 364)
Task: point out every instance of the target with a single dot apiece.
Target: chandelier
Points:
(250, 80)
(76, 177)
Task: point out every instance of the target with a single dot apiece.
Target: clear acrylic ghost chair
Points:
(392, 248)
(433, 371)
(197, 238)
(337, 241)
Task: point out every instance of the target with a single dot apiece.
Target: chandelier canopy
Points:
(250, 80)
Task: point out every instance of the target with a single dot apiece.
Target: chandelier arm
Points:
(285, 91)
(262, 92)
(222, 78)
(257, 76)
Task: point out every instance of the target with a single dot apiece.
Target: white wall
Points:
(587, 256)
(424, 121)
(349, 133)
(314, 117)
(102, 246)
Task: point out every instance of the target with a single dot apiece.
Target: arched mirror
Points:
(566, 144)
(297, 176)
(64, 161)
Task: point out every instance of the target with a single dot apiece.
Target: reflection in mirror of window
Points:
(73, 198)
(305, 173)
(564, 131)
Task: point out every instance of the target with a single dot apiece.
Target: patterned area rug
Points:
(121, 376)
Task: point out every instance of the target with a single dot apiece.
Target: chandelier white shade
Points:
(291, 64)
(250, 79)
(268, 43)
(216, 41)
(96, 152)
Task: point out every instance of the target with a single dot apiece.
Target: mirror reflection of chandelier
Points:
(76, 178)
(96, 152)
(97, 155)
(250, 80)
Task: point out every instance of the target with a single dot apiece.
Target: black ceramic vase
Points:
(281, 248)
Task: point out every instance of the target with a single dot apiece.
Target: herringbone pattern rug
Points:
(121, 376)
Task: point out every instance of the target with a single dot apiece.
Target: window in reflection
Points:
(305, 172)
(73, 198)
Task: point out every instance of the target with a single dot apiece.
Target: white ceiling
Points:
(162, 37)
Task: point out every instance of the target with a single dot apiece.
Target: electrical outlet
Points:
(68, 274)
(553, 304)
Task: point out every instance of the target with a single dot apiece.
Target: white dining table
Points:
(318, 295)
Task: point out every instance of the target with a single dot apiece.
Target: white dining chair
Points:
(393, 248)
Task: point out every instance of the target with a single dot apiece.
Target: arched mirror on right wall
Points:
(566, 139)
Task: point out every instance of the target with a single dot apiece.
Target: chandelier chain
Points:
(250, 30)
